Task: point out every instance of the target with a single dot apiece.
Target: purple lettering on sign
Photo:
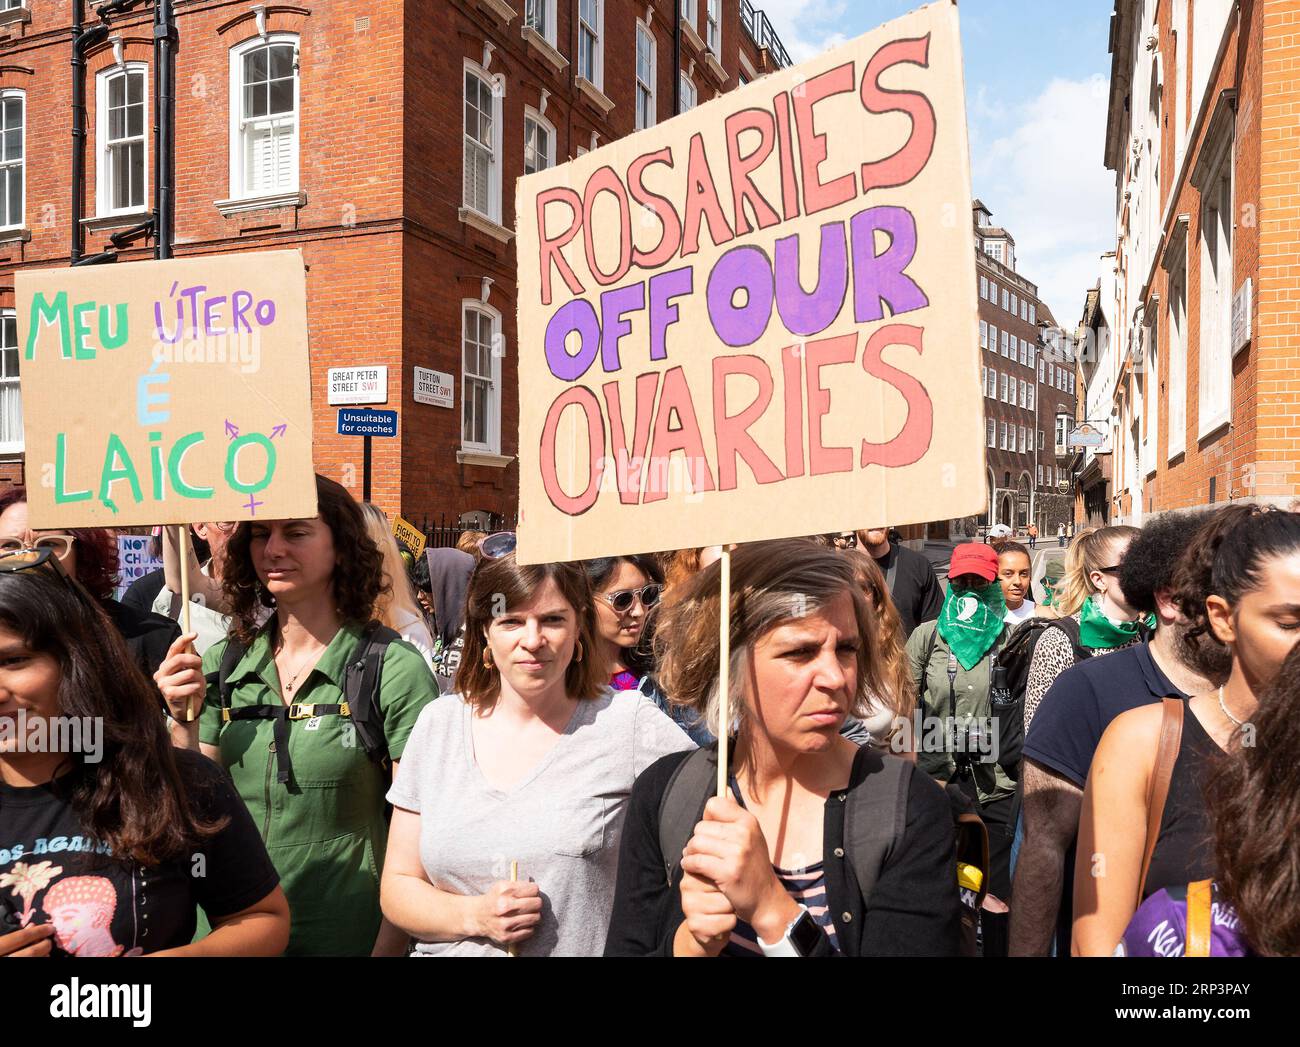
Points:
(664, 287)
(578, 315)
(614, 306)
(240, 303)
(805, 313)
(880, 277)
(747, 269)
(212, 315)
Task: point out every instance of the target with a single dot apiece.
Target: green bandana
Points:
(971, 622)
(1097, 631)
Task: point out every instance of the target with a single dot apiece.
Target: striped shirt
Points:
(808, 888)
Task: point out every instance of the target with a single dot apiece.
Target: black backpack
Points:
(1018, 652)
(875, 817)
(362, 679)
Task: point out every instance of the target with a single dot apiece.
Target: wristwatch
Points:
(800, 938)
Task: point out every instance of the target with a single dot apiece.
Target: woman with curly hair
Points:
(287, 736)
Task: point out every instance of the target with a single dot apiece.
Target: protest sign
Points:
(758, 319)
(135, 559)
(410, 535)
(167, 392)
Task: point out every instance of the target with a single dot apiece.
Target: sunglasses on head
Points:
(44, 558)
(495, 546)
(623, 600)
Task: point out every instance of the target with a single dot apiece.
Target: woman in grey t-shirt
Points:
(529, 765)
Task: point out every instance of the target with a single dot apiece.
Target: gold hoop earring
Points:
(578, 657)
(487, 658)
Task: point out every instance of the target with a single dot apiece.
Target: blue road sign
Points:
(361, 421)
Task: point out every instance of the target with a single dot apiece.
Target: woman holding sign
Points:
(822, 847)
(306, 737)
(528, 767)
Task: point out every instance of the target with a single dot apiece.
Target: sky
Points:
(1036, 87)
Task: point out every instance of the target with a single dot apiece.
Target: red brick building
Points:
(381, 138)
(1028, 383)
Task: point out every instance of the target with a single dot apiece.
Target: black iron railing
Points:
(760, 30)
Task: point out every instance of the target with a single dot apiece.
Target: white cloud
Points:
(1038, 167)
(806, 27)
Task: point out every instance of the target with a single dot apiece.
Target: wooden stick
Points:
(183, 544)
(724, 671)
(512, 948)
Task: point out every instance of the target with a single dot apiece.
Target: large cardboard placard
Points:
(167, 392)
(758, 320)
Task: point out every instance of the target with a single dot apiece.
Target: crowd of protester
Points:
(352, 751)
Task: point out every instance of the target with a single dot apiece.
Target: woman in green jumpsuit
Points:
(321, 810)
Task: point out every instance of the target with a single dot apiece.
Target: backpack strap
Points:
(1171, 737)
(361, 681)
(1070, 627)
(1200, 900)
(875, 814)
(925, 666)
(681, 808)
(229, 659)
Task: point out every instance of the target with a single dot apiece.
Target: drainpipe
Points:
(164, 63)
(677, 57)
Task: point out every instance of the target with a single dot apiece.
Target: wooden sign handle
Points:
(183, 544)
(724, 671)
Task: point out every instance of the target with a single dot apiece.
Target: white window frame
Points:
(713, 27)
(984, 334)
(1214, 403)
(493, 427)
(1040, 474)
(103, 166)
(531, 114)
(690, 12)
(688, 88)
(596, 76)
(1006, 300)
(11, 381)
(1033, 314)
(1004, 436)
(20, 163)
(493, 212)
(1177, 327)
(548, 30)
(1003, 379)
(1015, 303)
(984, 288)
(1006, 339)
(1041, 440)
(638, 85)
(239, 189)
(991, 433)
(1029, 396)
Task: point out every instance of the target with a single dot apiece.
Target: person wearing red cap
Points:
(957, 730)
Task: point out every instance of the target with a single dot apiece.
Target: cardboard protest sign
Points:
(410, 535)
(758, 319)
(167, 392)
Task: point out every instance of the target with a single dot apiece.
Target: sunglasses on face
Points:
(1109, 570)
(623, 600)
(58, 544)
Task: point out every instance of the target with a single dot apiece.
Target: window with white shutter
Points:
(122, 117)
(265, 122)
(590, 41)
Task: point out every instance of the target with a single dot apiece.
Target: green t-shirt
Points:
(324, 829)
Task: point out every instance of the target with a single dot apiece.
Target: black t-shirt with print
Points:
(51, 872)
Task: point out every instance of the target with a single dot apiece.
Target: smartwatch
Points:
(800, 938)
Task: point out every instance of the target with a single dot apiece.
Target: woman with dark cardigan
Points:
(771, 870)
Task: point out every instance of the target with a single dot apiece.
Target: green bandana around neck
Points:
(971, 622)
(1096, 631)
